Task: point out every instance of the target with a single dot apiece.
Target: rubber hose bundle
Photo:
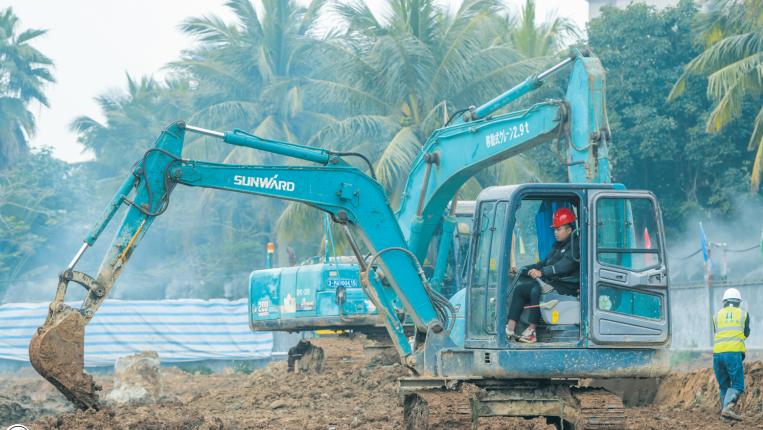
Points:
(442, 306)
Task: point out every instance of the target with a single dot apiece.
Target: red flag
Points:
(648, 258)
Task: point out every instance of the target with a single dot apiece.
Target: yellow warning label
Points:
(554, 316)
(328, 332)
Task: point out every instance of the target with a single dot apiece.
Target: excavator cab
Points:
(613, 324)
(618, 297)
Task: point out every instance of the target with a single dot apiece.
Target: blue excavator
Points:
(328, 295)
(617, 326)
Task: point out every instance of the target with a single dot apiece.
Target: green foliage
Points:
(35, 196)
(658, 145)
(378, 85)
(534, 39)
(195, 369)
(250, 72)
(133, 120)
(24, 71)
(732, 32)
(392, 80)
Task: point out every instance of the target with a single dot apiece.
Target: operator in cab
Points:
(563, 261)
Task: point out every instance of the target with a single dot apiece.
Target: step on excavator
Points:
(463, 365)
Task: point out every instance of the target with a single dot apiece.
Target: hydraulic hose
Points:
(442, 306)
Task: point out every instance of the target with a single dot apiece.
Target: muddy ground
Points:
(350, 393)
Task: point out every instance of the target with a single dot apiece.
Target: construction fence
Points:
(178, 330)
(691, 316)
(189, 330)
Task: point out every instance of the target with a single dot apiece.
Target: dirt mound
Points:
(350, 393)
(26, 396)
(347, 394)
(699, 390)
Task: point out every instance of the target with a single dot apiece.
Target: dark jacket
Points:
(562, 261)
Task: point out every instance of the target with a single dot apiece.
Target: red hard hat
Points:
(561, 217)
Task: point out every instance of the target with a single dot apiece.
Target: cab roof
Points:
(505, 192)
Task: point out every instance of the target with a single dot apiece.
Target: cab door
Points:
(629, 274)
(488, 263)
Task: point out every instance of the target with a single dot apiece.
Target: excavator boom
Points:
(393, 273)
(347, 194)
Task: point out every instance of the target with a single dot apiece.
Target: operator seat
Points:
(562, 322)
(567, 311)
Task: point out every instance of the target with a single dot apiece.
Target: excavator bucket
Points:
(57, 352)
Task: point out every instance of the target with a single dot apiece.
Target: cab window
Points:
(485, 269)
(626, 233)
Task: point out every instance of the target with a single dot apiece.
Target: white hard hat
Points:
(732, 294)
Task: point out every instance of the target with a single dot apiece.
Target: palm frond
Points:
(210, 30)
(757, 132)
(756, 142)
(757, 169)
(350, 130)
(311, 16)
(719, 55)
(337, 92)
(298, 221)
(227, 113)
(720, 81)
(28, 35)
(729, 106)
(458, 48)
(395, 162)
(358, 17)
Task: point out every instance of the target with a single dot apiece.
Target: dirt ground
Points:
(350, 393)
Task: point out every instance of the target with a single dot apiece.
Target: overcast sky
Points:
(94, 43)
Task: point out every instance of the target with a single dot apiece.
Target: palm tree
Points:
(538, 40)
(733, 63)
(393, 79)
(396, 77)
(249, 72)
(24, 71)
(132, 120)
(250, 75)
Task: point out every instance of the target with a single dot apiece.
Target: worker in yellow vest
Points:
(731, 326)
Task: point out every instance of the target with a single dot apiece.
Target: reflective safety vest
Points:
(729, 325)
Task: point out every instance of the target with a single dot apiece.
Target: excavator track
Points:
(428, 409)
(433, 403)
(599, 410)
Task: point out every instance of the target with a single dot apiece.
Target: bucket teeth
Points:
(57, 353)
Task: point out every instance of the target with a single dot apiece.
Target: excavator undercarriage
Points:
(439, 403)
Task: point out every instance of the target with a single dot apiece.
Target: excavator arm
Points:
(347, 194)
(454, 154)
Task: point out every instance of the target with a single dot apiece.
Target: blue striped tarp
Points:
(178, 330)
